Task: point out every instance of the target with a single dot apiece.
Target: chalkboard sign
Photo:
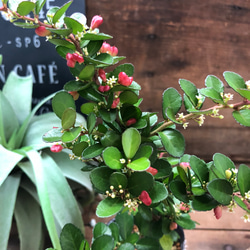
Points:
(27, 53)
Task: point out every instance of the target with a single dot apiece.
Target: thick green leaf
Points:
(164, 168)
(221, 190)
(166, 242)
(185, 221)
(29, 221)
(139, 181)
(140, 164)
(88, 108)
(143, 151)
(131, 140)
(61, 42)
(74, 85)
(173, 141)
(102, 60)
(8, 193)
(61, 101)
(108, 115)
(79, 147)
(20, 100)
(91, 121)
(234, 80)
(147, 244)
(100, 178)
(212, 94)
(118, 180)
(39, 5)
(241, 203)
(126, 246)
(9, 160)
(222, 163)
(108, 207)
(87, 73)
(71, 135)
(172, 100)
(92, 151)
(214, 83)
(93, 47)
(68, 118)
(242, 116)
(62, 32)
(128, 97)
(158, 193)
(104, 242)
(25, 7)
(200, 169)
(73, 24)
(190, 90)
(243, 178)
(112, 157)
(128, 68)
(94, 37)
(71, 237)
(91, 94)
(53, 135)
(101, 229)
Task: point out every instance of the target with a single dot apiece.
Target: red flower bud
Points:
(56, 148)
(102, 74)
(144, 197)
(78, 58)
(105, 88)
(42, 31)
(124, 79)
(218, 212)
(173, 226)
(115, 103)
(70, 60)
(152, 171)
(185, 165)
(96, 22)
(130, 122)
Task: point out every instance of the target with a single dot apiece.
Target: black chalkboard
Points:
(27, 53)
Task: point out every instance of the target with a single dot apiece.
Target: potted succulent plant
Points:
(137, 163)
(33, 184)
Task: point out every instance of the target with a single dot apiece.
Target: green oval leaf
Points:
(243, 179)
(71, 135)
(108, 207)
(118, 179)
(131, 140)
(173, 141)
(95, 37)
(92, 151)
(190, 90)
(53, 135)
(221, 190)
(60, 12)
(79, 147)
(129, 97)
(101, 229)
(25, 7)
(68, 118)
(214, 83)
(204, 202)
(112, 157)
(74, 85)
(140, 164)
(158, 193)
(178, 188)
(61, 102)
(104, 242)
(242, 117)
(200, 169)
(87, 73)
(234, 80)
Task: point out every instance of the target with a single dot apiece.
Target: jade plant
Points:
(137, 163)
(33, 184)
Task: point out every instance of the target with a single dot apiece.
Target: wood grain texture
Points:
(171, 39)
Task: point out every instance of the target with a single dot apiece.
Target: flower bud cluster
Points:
(73, 58)
(107, 48)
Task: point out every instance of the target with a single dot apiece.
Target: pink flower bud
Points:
(96, 22)
(173, 226)
(75, 94)
(124, 79)
(115, 103)
(70, 60)
(152, 171)
(113, 51)
(185, 165)
(56, 148)
(104, 88)
(130, 122)
(144, 197)
(42, 31)
(102, 74)
(105, 48)
(218, 212)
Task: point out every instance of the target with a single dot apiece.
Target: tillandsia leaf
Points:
(29, 221)
(214, 83)
(112, 157)
(172, 100)
(242, 117)
(9, 160)
(221, 190)
(61, 101)
(131, 140)
(71, 237)
(108, 207)
(43, 194)
(234, 80)
(173, 141)
(25, 7)
(61, 12)
(243, 179)
(8, 121)
(190, 90)
(8, 193)
(20, 100)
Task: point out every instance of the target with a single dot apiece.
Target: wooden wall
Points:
(171, 39)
